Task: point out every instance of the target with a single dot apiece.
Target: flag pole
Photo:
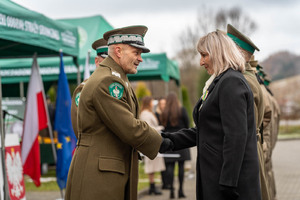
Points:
(87, 65)
(49, 122)
(61, 190)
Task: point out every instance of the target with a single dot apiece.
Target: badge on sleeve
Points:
(116, 90)
(77, 97)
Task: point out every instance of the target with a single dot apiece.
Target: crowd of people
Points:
(235, 125)
(169, 116)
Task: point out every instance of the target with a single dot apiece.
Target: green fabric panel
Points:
(23, 32)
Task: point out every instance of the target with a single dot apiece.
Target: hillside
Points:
(281, 65)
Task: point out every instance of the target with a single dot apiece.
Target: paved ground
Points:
(286, 163)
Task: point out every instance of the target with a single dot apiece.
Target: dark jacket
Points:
(225, 135)
(182, 123)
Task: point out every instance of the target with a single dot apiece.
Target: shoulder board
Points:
(116, 74)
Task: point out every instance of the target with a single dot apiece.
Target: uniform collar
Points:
(248, 67)
(109, 62)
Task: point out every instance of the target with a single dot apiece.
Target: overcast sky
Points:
(278, 21)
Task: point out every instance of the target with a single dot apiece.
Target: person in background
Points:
(51, 110)
(174, 117)
(225, 132)
(157, 164)
(100, 46)
(158, 110)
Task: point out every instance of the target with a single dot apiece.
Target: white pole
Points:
(5, 185)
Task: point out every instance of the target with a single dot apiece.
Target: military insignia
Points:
(116, 90)
(77, 97)
(116, 74)
(204, 95)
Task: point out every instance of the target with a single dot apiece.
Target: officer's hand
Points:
(229, 193)
(166, 145)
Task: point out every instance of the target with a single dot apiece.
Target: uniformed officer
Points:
(247, 48)
(110, 134)
(100, 46)
(271, 124)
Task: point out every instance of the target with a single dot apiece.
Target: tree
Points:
(188, 58)
(142, 90)
(187, 104)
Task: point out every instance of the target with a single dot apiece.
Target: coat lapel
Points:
(204, 97)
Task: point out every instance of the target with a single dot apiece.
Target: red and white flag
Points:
(35, 120)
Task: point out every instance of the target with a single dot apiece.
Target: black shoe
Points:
(172, 195)
(153, 190)
(165, 187)
(181, 194)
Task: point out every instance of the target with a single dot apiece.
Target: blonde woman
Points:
(225, 132)
(158, 164)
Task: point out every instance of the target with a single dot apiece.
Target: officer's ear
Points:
(118, 51)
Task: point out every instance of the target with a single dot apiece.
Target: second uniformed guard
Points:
(271, 122)
(105, 163)
(100, 46)
(247, 48)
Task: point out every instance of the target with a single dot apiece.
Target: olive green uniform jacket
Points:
(259, 113)
(272, 131)
(267, 146)
(74, 106)
(105, 163)
(275, 123)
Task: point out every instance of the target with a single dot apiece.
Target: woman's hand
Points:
(166, 145)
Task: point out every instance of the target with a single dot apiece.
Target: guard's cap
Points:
(240, 39)
(131, 35)
(100, 46)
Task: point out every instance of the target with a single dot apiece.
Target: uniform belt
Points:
(84, 139)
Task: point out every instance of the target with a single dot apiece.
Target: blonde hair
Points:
(223, 52)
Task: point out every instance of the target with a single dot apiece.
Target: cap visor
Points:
(144, 49)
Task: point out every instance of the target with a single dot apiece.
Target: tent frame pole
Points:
(2, 132)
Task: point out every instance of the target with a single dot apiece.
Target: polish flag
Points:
(34, 121)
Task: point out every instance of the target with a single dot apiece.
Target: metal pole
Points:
(22, 89)
(75, 61)
(166, 88)
(5, 189)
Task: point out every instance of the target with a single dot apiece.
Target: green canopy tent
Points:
(157, 67)
(24, 33)
(16, 71)
(153, 67)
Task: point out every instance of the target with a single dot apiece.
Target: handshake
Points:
(166, 145)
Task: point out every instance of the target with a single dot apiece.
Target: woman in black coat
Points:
(225, 135)
(174, 117)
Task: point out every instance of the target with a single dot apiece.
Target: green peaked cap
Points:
(240, 39)
(100, 46)
(131, 35)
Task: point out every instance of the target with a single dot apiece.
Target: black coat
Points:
(183, 122)
(225, 136)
